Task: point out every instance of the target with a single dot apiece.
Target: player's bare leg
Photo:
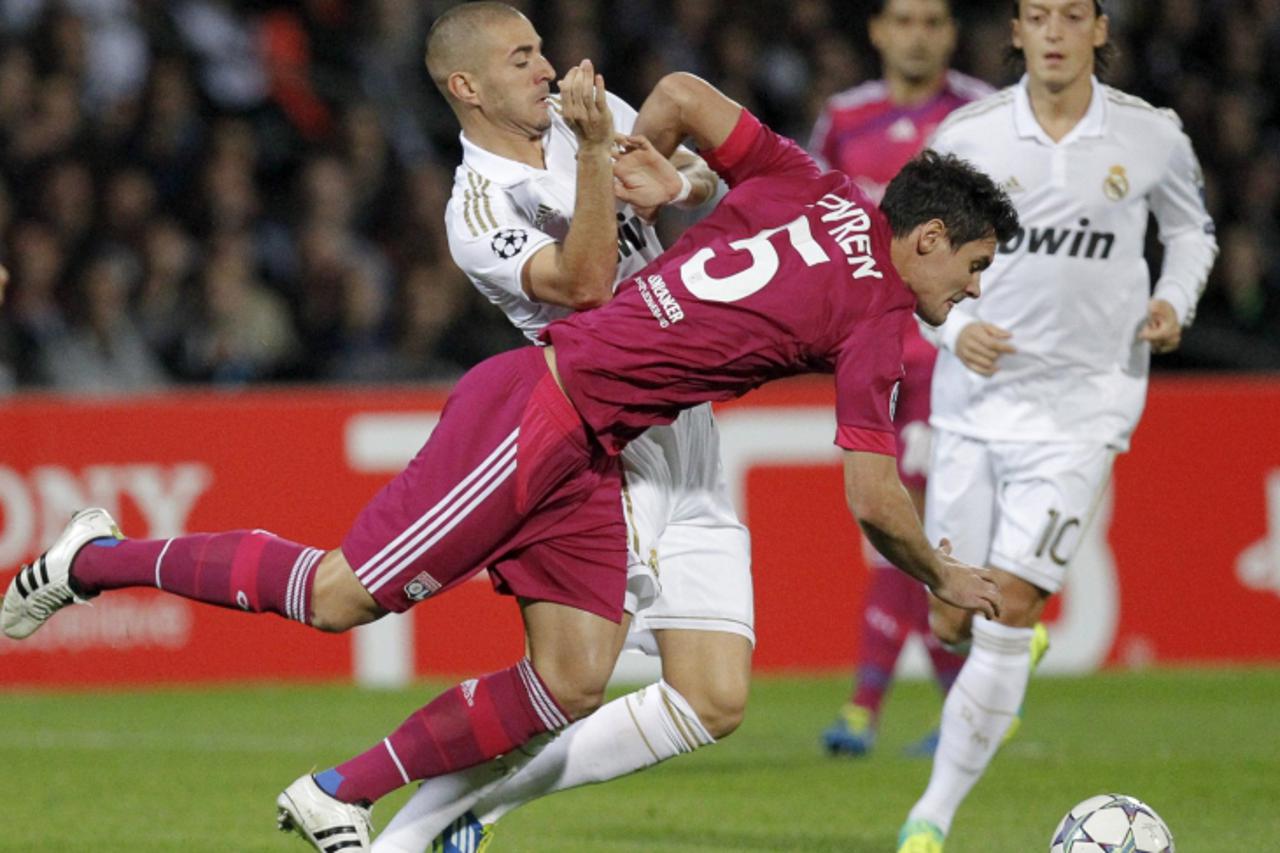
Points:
(982, 703)
(339, 602)
(711, 670)
(573, 651)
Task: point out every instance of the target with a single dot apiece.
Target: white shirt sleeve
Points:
(1186, 231)
(491, 243)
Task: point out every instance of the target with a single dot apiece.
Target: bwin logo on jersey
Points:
(508, 242)
(1051, 241)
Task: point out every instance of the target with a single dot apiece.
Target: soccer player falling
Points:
(543, 225)
(794, 272)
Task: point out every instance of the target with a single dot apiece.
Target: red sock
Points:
(886, 621)
(464, 726)
(946, 663)
(250, 570)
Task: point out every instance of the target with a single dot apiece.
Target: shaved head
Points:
(456, 41)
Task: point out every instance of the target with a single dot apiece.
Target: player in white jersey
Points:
(539, 225)
(1041, 381)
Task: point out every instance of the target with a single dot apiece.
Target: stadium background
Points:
(232, 305)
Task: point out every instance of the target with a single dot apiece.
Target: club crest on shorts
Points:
(1116, 185)
(420, 587)
(508, 242)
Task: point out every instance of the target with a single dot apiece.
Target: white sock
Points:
(439, 801)
(979, 709)
(628, 734)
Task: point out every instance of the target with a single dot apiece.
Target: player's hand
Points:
(964, 586)
(1161, 328)
(584, 106)
(980, 345)
(642, 177)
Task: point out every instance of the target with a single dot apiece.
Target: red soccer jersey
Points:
(791, 273)
(867, 136)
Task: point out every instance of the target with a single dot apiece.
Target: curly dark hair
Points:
(942, 186)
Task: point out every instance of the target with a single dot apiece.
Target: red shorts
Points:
(510, 480)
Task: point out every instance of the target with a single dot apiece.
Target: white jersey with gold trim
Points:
(1073, 286)
(689, 557)
(503, 211)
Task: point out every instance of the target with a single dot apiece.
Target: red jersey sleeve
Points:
(868, 370)
(752, 150)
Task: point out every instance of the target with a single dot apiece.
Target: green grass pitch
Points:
(198, 770)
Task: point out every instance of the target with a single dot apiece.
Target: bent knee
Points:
(577, 696)
(339, 602)
(722, 718)
(577, 685)
(952, 626)
(720, 706)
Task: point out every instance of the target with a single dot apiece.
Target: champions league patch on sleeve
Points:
(508, 242)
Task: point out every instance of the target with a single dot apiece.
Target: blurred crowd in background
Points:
(237, 192)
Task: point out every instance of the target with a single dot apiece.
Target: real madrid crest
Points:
(1116, 185)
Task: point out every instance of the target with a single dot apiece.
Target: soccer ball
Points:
(1112, 823)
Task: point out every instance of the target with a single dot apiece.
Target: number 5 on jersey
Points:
(764, 263)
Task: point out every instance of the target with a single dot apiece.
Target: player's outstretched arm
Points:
(682, 105)
(878, 500)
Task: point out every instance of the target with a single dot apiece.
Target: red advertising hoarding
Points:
(1184, 563)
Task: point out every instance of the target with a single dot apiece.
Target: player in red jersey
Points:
(794, 272)
(869, 132)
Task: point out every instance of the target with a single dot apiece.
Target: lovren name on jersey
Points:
(851, 230)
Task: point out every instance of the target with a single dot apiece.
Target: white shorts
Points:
(1019, 506)
(689, 555)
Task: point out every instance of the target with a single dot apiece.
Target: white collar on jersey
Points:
(1094, 122)
(502, 171)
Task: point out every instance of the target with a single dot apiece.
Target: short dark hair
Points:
(878, 7)
(942, 186)
(1102, 56)
(1097, 7)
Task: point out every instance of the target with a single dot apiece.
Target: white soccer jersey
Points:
(1072, 286)
(681, 521)
(503, 211)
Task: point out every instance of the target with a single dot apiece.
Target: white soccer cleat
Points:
(43, 588)
(328, 823)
